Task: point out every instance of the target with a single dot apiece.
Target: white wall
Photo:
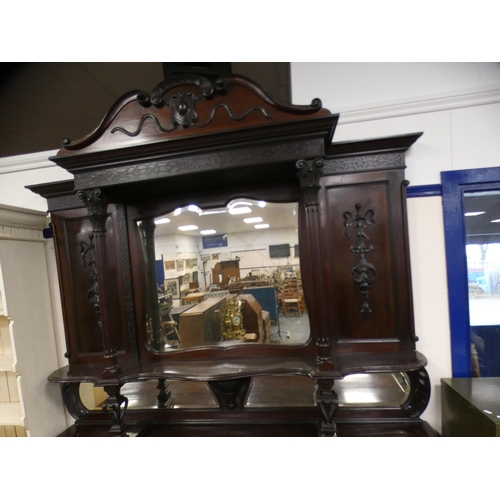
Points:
(457, 106)
(252, 248)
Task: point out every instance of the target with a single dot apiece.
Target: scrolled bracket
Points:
(420, 393)
(72, 401)
(309, 174)
(97, 206)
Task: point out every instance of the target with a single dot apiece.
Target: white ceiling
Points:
(277, 215)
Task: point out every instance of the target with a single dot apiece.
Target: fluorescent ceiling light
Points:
(212, 212)
(473, 214)
(187, 228)
(236, 203)
(262, 204)
(496, 220)
(253, 220)
(163, 220)
(194, 208)
(208, 231)
(241, 210)
(261, 226)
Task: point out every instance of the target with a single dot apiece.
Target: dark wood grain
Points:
(195, 141)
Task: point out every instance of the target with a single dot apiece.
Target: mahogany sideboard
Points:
(196, 140)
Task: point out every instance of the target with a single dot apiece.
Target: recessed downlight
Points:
(187, 228)
(252, 220)
(261, 226)
(208, 231)
(473, 214)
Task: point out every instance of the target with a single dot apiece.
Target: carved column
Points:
(148, 237)
(309, 174)
(97, 206)
(328, 402)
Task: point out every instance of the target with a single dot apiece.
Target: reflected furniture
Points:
(224, 271)
(194, 140)
(290, 301)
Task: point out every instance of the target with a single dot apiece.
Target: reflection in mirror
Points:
(224, 276)
(376, 390)
(482, 223)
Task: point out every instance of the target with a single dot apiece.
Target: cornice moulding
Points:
(21, 221)
(30, 161)
(427, 104)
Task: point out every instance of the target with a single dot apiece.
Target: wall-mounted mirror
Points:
(224, 276)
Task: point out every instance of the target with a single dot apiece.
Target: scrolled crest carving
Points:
(162, 88)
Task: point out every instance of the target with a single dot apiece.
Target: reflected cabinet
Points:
(184, 295)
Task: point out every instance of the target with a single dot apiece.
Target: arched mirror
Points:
(223, 276)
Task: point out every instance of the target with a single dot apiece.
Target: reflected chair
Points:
(291, 300)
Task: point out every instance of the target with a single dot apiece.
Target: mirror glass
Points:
(224, 276)
(482, 223)
(376, 390)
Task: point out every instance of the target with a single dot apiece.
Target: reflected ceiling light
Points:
(496, 220)
(253, 220)
(261, 226)
(163, 220)
(208, 231)
(240, 210)
(262, 204)
(211, 212)
(473, 214)
(187, 228)
(236, 203)
(177, 211)
(194, 208)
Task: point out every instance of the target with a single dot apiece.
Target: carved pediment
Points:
(186, 108)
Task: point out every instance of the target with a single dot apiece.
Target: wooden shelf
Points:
(215, 369)
(11, 414)
(6, 363)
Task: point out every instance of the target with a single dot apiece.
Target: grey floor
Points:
(293, 329)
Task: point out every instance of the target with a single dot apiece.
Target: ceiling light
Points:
(212, 212)
(473, 214)
(241, 210)
(177, 211)
(163, 220)
(496, 220)
(261, 226)
(253, 220)
(187, 228)
(194, 208)
(262, 204)
(236, 203)
(208, 231)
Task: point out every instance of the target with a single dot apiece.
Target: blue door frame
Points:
(454, 184)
